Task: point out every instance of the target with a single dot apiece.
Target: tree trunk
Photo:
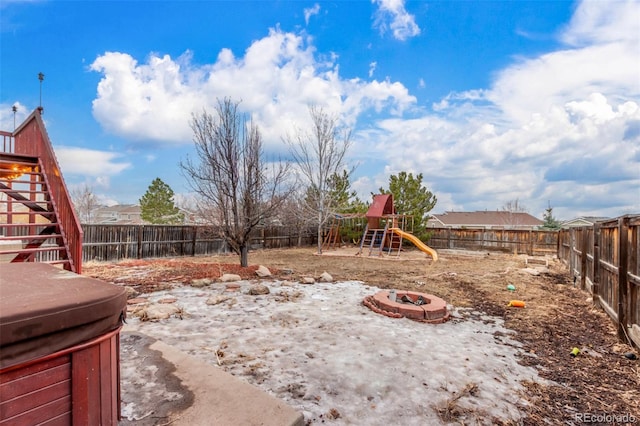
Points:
(244, 255)
(320, 231)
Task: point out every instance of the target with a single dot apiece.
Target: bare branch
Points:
(231, 179)
(319, 154)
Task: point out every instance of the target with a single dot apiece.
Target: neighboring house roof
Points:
(120, 214)
(583, 221)
(485, 219)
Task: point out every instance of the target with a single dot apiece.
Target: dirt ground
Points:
(558, 317)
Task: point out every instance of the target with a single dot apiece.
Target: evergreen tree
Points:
(411, 198)
(157, 205)
(345, 199)
(550, 222)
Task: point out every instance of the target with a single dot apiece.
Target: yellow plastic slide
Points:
(416, 241)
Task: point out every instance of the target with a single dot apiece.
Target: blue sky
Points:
(491, 101)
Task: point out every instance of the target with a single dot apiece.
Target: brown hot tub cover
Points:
(44, 309)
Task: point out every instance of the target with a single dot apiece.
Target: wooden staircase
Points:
(37, 219)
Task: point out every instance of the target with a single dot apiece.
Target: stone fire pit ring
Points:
(420, 307)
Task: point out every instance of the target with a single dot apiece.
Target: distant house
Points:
(120, 214)
(582, 221)
(485, 220)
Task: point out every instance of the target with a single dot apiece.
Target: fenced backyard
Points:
(116, 242)
(604, 260)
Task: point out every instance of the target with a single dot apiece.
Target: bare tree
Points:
(320, 154)
(230, 176)
(85, 202)
(294, 214)
(512, 212)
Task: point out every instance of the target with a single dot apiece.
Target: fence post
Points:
(583, 258)
(623, 305)
(194, 230)
(140, 232)
(595, 288)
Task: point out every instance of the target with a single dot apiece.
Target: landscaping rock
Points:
(157, 312)
(326, 277)
(263, 271)
(308, 280)
(230, 277)
(215, 300)
(131, 292)
(232, 286)
(531, 271)
(202, 282)
(258, 289)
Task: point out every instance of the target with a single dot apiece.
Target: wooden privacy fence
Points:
(508, 240)
(117, 242)
(604, 258)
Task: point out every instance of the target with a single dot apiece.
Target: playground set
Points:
(384, 230)
(383, 235)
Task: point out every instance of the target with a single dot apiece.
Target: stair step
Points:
(18, 225)
(16, 213)
(8, 164)
(12, 201)
(26, 182)
(32, 250)
(26, 191)
(29, 237)
(57, 262)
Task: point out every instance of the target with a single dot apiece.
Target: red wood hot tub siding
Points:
(76, 386)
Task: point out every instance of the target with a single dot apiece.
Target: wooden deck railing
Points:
(31, 139)
(7, 141)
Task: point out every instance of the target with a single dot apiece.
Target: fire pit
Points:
(416, 306)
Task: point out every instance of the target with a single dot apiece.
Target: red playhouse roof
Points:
(382, 205)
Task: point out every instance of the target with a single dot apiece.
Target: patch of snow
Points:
(320, 350)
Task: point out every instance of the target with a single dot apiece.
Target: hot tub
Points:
(59, 347)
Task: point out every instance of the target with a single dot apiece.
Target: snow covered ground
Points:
(320, 350)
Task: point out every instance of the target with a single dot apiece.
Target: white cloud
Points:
(551, 128)
(8, 118)
(89, 162)
(149, 101)
(279, 77)
(311, 11)
(603, 22)
(601, 57)
(103, 182)
(391, 15)
(372, 68)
